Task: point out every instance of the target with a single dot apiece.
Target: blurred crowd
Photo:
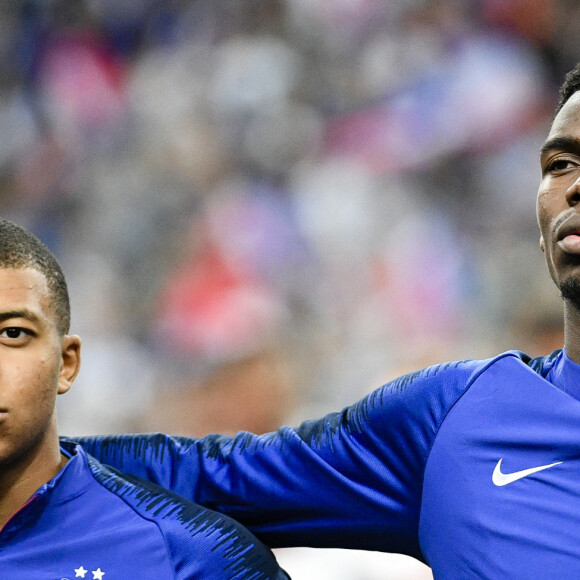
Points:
(266, 208)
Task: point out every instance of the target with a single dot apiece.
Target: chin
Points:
(570, 291)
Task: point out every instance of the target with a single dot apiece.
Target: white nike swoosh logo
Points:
(500, 478)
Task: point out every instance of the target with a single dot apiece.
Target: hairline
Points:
(62, 323)
(21, 249)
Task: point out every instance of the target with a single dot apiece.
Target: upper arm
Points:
(351, 479)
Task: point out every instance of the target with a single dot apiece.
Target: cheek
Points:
(546, 210)
(39, 383)
(542, 223)
(47, 377)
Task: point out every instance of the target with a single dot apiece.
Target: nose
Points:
(573, 193)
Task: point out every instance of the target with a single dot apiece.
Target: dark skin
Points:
(558, 210)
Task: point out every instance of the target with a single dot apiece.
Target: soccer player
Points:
(472, 467)
(62, 514)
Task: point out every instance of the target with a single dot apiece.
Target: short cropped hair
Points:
(21, 249)
(570, 85)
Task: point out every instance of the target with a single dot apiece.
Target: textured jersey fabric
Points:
(88, 522)
(412, 468)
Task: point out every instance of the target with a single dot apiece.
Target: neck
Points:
(22, 477)
(572, 331)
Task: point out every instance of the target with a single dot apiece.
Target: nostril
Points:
(573, 194)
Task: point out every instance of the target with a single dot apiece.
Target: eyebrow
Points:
(564, 143)
(25, 313)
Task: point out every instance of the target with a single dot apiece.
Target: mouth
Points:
(568, 235)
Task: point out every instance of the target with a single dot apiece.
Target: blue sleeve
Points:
(352, 479)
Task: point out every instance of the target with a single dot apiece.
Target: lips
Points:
(568, 235)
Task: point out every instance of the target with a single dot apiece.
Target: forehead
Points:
(567, 121)
(25, 286)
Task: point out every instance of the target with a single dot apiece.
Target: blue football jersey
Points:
(472, 467)
(89, 522)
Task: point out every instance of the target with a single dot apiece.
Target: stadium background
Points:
(267, 208)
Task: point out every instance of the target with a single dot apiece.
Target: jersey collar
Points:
(565, 374)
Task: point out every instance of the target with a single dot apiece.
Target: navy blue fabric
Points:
(88, 522)
(407, 469)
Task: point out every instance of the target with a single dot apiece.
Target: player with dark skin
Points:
(558, 209)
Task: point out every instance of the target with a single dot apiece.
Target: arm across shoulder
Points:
(352, 479)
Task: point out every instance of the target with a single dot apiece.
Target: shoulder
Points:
(445, 383)
(201, 543)
(423, 395)
(541, 365)
(405, 414)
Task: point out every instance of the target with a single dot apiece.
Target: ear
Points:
(70, 364)
(542, 244)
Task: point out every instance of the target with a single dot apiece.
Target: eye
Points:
(560, 165)
(15, 333)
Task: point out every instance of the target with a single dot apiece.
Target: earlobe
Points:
(71, 362)
(542, 244)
